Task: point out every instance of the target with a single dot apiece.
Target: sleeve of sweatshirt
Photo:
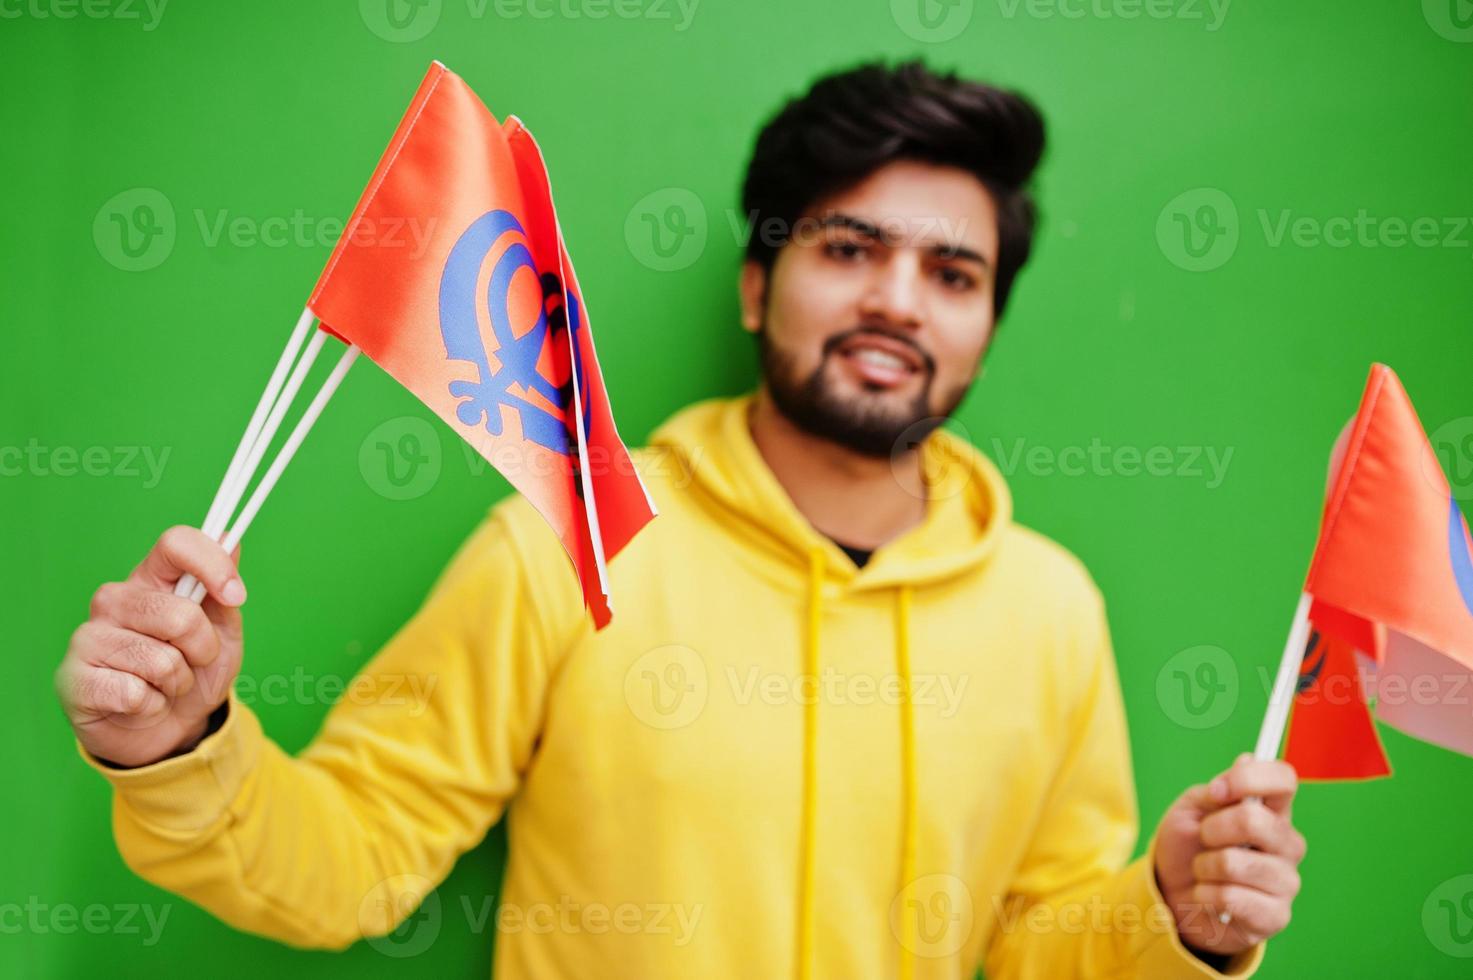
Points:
(1075, 906)
(410, 768)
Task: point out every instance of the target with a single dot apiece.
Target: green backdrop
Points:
(1245, 205)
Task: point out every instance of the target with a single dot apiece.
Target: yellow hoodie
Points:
(772, 764)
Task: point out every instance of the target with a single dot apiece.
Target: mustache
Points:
(832, 344)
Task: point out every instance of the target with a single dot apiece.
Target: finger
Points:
(161, 615)
(156, 662)
(183, 549)
(100, 692)
(1268, 873)
(1271, 780)
(226, 618)
(1255, 915)
(1251, 824)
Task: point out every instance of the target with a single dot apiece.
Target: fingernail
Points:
(234, 592)
(1218, 788)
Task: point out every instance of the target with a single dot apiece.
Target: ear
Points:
(752, 287)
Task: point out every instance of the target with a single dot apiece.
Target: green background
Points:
(249, 112)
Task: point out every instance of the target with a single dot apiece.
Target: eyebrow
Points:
(869, 228)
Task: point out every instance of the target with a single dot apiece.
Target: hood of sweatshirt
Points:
(968, 505)
(967, 511)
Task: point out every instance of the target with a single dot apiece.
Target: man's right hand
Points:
(142, 675)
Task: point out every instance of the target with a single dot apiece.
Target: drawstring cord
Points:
(907, 778)
(810, 767)
(810, 771)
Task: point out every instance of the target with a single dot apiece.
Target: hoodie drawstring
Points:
(810, 771)
(907, 778)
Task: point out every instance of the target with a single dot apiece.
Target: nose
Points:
(893, 294)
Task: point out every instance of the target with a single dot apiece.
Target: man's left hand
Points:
(1221, 855)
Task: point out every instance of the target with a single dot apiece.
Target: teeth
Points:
(879, 359)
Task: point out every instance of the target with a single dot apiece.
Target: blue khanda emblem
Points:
(517, 353)
(1460, 547)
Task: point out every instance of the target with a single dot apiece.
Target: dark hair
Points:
(853, 122)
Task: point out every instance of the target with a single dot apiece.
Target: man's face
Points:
(874, 316)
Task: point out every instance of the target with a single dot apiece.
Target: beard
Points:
(868, 424)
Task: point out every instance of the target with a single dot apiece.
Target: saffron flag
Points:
(479, 314)
(1392, 583)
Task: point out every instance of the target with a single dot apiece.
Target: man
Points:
(850, 721)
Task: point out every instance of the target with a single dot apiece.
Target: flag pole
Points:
(232, 488)
(1276, 717)
(258, 417)
(1271, 733)
(285, 454)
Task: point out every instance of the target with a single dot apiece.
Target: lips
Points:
(879, 362)
(882, 351)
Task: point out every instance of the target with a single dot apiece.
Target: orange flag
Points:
(484, 320)
(1392, 578)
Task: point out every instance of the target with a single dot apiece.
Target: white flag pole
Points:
(284, 456)
(232, 488)
(1271, 733)
(1276, 717)
(258, 417)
